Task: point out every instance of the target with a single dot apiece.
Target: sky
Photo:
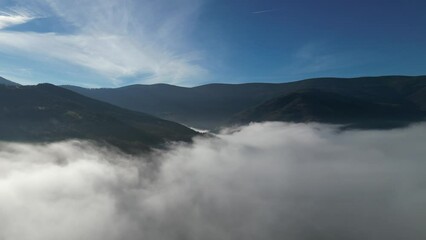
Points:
(111, 43)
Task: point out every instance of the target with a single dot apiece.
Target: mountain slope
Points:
(4, 81)
(49, 113)
(203, 107)
(211, 106)
(325, 107)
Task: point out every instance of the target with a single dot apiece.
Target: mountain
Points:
(313, 105)
(213, 105)
(4, 81)
(45, 113)
(203, 107)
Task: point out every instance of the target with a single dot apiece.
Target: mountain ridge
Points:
(212, 106)
(319, 106)
(45, 113)
(4, 81)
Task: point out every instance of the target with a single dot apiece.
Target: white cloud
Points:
(264, 181)
(118, 39)
(112, 56)
(8, 19)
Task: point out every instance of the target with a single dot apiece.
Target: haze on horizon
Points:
(106, 43)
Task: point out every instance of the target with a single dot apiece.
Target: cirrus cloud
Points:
(144, 40)
(14, 17)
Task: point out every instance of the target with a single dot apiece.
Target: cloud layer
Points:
(264, 181)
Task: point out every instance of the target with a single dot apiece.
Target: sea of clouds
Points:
(262, 181)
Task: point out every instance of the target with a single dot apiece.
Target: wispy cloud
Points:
(117, 39)
(266, 11)
(15, 17)
(112, 56)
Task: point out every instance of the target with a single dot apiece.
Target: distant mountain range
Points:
(45, 113)
(314, 105)
(368, 102)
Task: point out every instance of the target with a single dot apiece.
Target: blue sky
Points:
(107, 43)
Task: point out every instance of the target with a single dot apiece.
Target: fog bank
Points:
(263, 181)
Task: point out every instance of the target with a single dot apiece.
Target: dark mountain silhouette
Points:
(325, 107)
(202, 107)
(213, 105)
(46, 113)
(4, 81)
